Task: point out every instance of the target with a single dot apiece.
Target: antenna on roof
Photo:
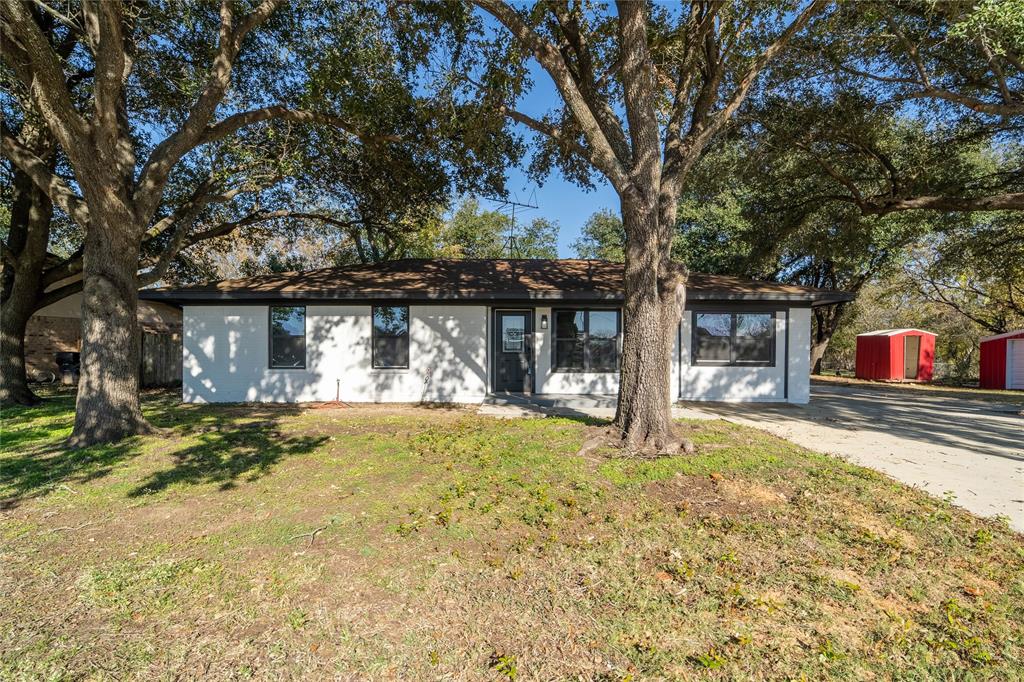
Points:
(511, 205)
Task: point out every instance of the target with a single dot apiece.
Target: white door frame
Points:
(1010, 350)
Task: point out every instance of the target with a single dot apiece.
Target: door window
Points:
(513, 329)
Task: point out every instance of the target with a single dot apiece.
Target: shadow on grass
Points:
(224, 457)
(225, 443)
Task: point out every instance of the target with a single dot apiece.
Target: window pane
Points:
(756, 325)
(390, 320)
(287, 336)
(288, 321)
(568, 324)
(390, 351)
(604, 324)
(712, 338)
(513, 327)
(753, 338)
(390, 336)
(748, 349)
(569, 354)
(604, 355)
(288, 351)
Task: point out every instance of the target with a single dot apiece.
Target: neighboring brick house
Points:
(58, 328)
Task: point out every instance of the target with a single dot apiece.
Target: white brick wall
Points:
(225, 359)
(753, 384)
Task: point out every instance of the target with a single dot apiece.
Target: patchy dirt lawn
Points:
(291, 543)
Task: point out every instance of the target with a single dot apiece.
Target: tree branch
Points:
(182, 240)
(554, 132)
(232, 123)
(59, 294)
(602, 155)
(69, 267)
(45, 78)
(974, 104)
(166, 154)
(54, 187)
(103, 31)
(638, 83)
(739, 94)
(1012, 201)
(611, 126)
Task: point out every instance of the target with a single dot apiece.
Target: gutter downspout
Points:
(785, 379)
(679, 357)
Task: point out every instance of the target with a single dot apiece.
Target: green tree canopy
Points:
(475, 232)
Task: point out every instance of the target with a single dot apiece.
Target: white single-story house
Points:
(462, 330)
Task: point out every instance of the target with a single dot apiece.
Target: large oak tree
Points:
(168, 81)
(644, 91)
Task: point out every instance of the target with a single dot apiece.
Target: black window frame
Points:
(732, 362)
(373, 338)
(555, 368)
(270, 338)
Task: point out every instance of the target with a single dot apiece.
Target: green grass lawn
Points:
(401, 542)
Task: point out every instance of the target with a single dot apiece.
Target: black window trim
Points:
(270, 338)
(555, 369)
(694, 362)
(373, 339)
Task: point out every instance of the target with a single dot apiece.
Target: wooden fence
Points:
(160, 360)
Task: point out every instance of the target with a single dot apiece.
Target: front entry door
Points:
(513, 351)
(911, 356)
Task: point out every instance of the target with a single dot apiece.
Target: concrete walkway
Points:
(595, 406)
(971, 449)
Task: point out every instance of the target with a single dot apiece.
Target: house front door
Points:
(512, 350)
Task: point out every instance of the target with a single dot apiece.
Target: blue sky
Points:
(559, 200)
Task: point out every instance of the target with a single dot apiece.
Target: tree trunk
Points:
(653, 305)
(826, 322)
(108, 407)
(14, 315)
(21, 283)
(818, 349)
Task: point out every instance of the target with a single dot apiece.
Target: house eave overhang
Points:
(185, 297)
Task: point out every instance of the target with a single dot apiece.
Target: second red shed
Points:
(1002, 360)
(896, 355)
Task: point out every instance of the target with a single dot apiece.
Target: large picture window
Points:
(587, 340)
(288, 337)
(734, 339)
(390, 337)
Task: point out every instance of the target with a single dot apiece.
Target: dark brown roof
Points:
(475, 280)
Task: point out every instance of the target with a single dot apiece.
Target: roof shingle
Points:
(475, 279)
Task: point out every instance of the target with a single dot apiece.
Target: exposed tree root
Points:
(611, 437)
(111, 432)
(19, 395)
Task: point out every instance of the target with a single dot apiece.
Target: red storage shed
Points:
(1002, 360)
(896, 355)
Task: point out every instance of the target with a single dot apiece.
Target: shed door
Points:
(1015, 358)
(911, 356)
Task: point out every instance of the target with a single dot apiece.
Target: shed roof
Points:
(476, 280)
(1004, 335)
(896, 332)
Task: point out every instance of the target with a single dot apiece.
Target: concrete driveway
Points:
(971, 448)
